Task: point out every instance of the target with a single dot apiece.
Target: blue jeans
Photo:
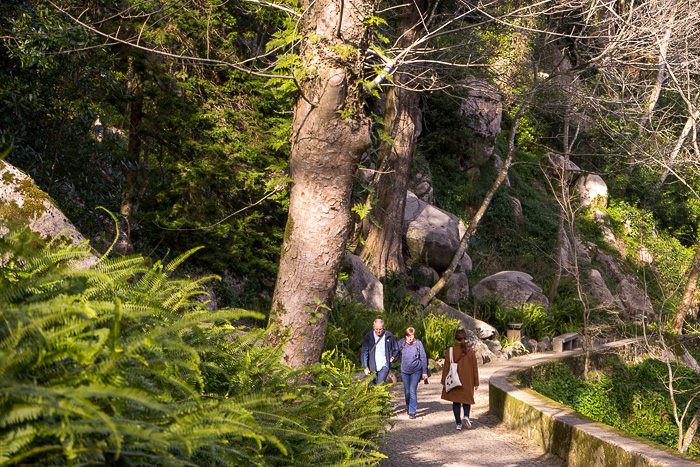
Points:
(410, 390)
(456, 409)
(381, 375)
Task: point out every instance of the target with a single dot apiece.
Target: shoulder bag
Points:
(452, 379)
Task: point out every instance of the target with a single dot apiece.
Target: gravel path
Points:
(432, 440)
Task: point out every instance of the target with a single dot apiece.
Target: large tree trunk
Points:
(383, 249)
(689, 292)
(325, 151)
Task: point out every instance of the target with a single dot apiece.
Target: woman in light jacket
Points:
(469, 376)
(414, 367)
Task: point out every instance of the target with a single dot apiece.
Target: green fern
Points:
(118, 364)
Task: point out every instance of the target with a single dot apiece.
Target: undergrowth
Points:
(119, 364)
(631, 397)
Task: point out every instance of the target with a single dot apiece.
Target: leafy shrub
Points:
(671, 258)
(632, 397)
(438, 335)
(537, 323)
(119, 365)
(348, 322)
(557, 382)
(593, 400)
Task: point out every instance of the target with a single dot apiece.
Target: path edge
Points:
(559, 430)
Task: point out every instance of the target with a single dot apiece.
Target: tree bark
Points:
(660, 77)
(689, 125)
(558, 253)
(690, 433)
(325, 151)
(134, 119)
(383, 248)
(688, 292)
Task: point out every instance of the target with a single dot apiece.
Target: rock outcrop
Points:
(482, 111)
(600, 292)
(628, 288)
(592, 191)
(361, 285)
(512, 287)
(431, 234)
(23, 203)
(481, 329)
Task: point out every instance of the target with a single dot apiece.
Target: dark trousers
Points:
(456, 409)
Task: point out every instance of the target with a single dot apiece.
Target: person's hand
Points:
(367, 371)
(425, 376)
(391, 360)
(476, 387)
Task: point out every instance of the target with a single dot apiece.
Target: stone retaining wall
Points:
(560, 430)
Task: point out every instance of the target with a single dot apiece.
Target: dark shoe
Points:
(412, 416)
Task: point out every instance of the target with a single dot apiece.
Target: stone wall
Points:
(560, 430)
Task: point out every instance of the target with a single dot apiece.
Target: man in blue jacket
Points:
(379, 350)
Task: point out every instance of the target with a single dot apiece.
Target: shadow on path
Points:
(432, 440)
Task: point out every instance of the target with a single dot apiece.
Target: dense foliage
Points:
(122, 364)
(349, 322)
(633, 397)
(181, 151)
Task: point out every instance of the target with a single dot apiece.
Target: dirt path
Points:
(432, 440)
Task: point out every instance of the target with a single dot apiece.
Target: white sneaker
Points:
(466, 422)
(459, 427)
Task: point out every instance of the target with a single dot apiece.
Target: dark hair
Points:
(461, 338)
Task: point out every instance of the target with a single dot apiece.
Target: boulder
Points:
(479, 328)
(628, 288)
(592, 190)
(498, 164)
(457, 288)
(562, 167)
(600, 292)
(481, 350)
(428, 275)
(23, 203)
(545, 345)
(514, 350)
(517, 210)
(585, 251)
(645, 256)
(529, 344)
(611, 240)
(208, 297)
(421, 184)
(465, 264)
(361, 285)
(483, 353)
(512, 287)
(614, 267)
(436, 365)
(482, 111)
(635, 300)
(567, 259)
(431, 234)
(493, 345)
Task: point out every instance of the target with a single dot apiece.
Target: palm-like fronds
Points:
(118, 365)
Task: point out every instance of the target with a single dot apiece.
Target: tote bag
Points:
(452, 379)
